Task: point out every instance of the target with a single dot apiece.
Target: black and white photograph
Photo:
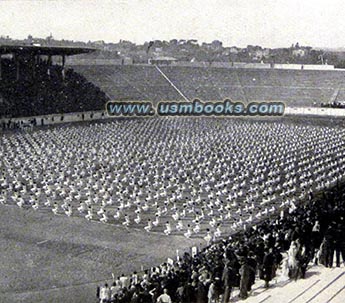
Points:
(172, 151)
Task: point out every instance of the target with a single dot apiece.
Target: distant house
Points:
(192, 42)
(259, 54)
(299, 52)
(234, 50)
(111, 47)
(214, 45)
(161, 60)
(99, 42)
(266, 52)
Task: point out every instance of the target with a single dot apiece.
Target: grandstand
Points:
(87, 88)
(32, 85)
(295, 87)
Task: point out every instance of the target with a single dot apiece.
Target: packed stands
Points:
(295, 87)
(46, 91)
(87, 88)
(130, 82)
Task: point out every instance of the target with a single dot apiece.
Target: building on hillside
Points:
(161, 60)
(299, 52)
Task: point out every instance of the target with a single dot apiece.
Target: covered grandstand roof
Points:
(44, 50)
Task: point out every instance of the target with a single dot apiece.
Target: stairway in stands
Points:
(334, 96)
(321, 285)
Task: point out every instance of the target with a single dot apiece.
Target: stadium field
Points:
(59, 259)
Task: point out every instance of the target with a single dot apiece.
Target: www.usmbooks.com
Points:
(195, 108)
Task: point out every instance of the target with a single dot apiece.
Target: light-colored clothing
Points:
(104, 294)
(164, 298)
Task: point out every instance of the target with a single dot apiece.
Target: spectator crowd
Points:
(311, 233)
(45, 89)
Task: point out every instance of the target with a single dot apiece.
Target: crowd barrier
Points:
(216, 64)
(99, 115)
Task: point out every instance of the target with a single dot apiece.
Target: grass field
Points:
(47, 258)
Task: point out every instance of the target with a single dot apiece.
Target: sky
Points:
(269, 23)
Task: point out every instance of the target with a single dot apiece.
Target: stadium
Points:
(207, 209)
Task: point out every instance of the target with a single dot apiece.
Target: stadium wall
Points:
(57, 118)
(101, 115)
(71, 61)
(251, 65)
(303, 66)
(128, 61)
(315, 111)
(191, 64)
(319, 67)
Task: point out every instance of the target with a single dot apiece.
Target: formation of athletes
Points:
(188, 176)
